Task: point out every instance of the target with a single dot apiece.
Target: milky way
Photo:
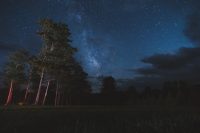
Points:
(112, 35)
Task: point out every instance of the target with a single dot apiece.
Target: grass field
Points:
(98, 119)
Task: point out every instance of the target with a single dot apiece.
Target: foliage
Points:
(57, 57)
(16, 67)
(109, 85)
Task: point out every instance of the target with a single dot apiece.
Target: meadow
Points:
(98, 119)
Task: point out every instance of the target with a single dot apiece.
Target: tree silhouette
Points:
(132, 95)
(56, 60)
(108, 85)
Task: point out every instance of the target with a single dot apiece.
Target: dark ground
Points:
(99, 119)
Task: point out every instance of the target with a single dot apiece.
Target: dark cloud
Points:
(184, 64)
(147, 71)
(5, 47)
(193, 28)
(184, 57)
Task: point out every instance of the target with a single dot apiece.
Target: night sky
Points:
(122, 38)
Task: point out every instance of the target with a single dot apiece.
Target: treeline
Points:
(32, 78)
(54, 77)
(173, 93)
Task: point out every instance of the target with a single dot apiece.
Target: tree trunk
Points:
(45, 95)
(55, 102)
(56, 98)
(26, 93)
(62, 99)
(10, 94)
(39, 89)
(57, 94)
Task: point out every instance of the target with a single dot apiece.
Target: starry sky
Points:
(114, 37)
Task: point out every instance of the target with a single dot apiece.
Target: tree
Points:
(131, 94)
(33, 76)
(108, 85)
(56, 59)
(15, 71)
(75, 81)
(55, 50)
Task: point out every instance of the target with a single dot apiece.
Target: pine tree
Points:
(56, 59)
(108, 85)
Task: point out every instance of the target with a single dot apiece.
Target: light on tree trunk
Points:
(26, 94)
(46, 93)
(39, 89)
(10, 94)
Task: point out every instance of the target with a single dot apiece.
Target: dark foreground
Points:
(99, 120)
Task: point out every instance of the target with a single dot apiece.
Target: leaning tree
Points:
(15, 71)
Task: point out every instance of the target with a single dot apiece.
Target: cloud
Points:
(5, 47)
(184, 64)
(183, 57)
(192, 30)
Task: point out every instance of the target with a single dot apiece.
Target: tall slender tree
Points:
(33, 77)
